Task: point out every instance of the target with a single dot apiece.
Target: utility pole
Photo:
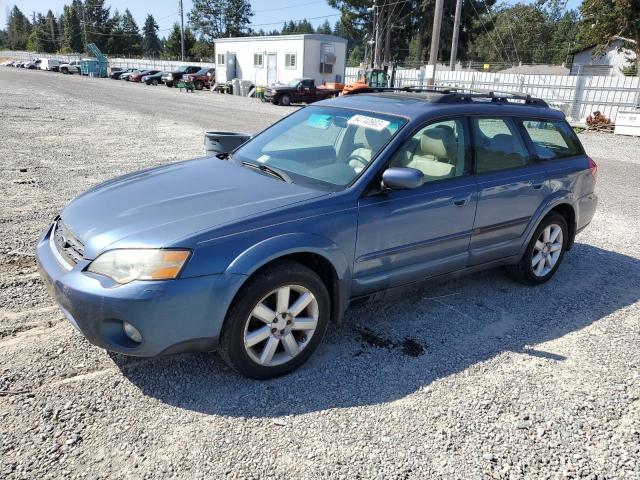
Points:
(84, 25)
(456, 35)
(376, 40)
(435, 40)
(181, 32)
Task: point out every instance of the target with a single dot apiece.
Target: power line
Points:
(487, 31)
(296, 20)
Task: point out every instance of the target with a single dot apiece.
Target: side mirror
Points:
(402, 178)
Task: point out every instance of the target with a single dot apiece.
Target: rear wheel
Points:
(276, 322)
(154, 82)
(199, 85)
(285, 100)
(544, 253)
(169, 84)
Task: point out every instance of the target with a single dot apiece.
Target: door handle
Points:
(461, 202)
(537, 186)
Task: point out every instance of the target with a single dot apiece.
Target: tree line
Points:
(540, 32)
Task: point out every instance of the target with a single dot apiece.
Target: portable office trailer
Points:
(281, 58)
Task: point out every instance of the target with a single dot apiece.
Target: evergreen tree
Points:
(324, 28)
(151, 45)
(18, 29)
(54, 32)
(213, 19)
(131, 34)
(97, 23)
(355, 57)
(117, 43)
(171, 50)
(72, 33)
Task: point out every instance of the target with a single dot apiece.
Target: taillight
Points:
(593, 167)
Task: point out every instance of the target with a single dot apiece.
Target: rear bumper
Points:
(172, 316)
(586, 209)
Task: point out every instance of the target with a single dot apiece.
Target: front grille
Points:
(69, 247)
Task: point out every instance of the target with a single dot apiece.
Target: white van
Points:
(50, 64)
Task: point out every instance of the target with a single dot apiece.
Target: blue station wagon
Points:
(253, 252)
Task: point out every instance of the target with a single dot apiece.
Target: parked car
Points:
(33, 64)
(154, 79)
(125, 76)
(137, 76)
(115, 74)
(71, 67)
(205, 77)
(8, 63)
(299, 90)
(50, 64)
(172, 78)
(254, 252)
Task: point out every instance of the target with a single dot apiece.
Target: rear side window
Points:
(498, 145)
(552, 139)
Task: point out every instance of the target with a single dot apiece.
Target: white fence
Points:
(577, 96)
(150, 63)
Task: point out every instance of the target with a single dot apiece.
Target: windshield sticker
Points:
(263, 158)
(369, 122)
(318, 120)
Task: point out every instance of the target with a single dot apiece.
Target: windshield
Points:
(183, 69)
(294, 82)
(202, 71)
(323, 146)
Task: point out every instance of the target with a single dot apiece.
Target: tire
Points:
(199, 85)
(532, 272)
(285, 100)
(169, 84)
(283, 341)
(154, 82)
(64, 71)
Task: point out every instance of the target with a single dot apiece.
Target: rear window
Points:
(552, 139)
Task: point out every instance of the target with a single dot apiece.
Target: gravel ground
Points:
(475, 378)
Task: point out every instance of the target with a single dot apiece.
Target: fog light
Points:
(132, 332)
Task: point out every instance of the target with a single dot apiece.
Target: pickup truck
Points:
(299, 90)
(172, 78)
(71, 67)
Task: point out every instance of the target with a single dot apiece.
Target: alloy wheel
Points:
(547, 250)
(281, 325)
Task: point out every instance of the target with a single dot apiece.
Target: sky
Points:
(269, 14)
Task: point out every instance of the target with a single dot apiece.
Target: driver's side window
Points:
(439, 150)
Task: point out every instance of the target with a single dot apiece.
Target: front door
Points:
(409, 235)
(272, 65)
(511, 187)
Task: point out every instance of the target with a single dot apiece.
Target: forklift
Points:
(371, 78)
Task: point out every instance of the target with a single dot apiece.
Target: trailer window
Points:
(258, 60)
(290, 60)
(221, 59)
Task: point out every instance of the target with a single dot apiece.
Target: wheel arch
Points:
(319, 254)
(561, 203)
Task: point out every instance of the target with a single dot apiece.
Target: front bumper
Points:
(173, 316)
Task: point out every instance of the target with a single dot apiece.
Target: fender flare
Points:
(558, 198)
(268, 250)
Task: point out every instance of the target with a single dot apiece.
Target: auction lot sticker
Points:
(369, 122)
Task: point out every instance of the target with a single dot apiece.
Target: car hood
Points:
(168, 204)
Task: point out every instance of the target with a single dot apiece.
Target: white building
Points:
(281, 58)
(615, 57)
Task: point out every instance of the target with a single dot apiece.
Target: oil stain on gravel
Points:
(408, 346)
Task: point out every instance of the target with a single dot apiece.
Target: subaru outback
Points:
(254, 252)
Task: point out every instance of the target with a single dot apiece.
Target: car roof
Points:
(420, 104)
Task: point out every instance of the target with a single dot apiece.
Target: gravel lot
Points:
(475, 378)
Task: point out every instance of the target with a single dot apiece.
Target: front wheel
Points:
(199, 85)
(169, 84)
(544, 253)
(276, 322)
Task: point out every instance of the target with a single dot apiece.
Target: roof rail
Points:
(461, 94)
(496, 96)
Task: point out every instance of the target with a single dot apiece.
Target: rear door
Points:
(511, 187)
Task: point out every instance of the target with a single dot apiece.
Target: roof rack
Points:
(462, 95)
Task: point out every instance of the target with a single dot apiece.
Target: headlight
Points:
(126, 265)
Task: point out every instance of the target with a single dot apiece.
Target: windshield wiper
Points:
(276, 172)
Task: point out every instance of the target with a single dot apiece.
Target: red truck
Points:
(204, 77)
(300, 90)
